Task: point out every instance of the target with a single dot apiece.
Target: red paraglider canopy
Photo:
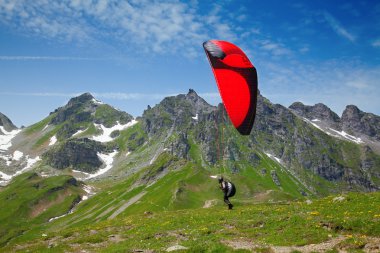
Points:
(237, 82)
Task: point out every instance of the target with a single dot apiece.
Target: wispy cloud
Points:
(334, 83)
(45, 58)
(337, 27)
(376, 43)
(107, 95)
(131, 96)
(275, 48)
(110, 95)
(40, 94)
(158, 26)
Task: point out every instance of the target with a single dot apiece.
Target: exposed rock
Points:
(318, 111)
(339, 199)
(356, 121)
(6, 123)
(85, 108)
(275, 178)
(79, 154)
(176, 247)
(180, 147)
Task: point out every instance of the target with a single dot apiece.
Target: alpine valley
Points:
(92, 178)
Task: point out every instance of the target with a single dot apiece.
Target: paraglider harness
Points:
(229, 190)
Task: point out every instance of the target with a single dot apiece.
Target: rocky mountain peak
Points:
(84, 98)
(318, 111)
(79, 108)
(356, 121)
(6, 123)
(192, 92)
(351, 111)
(198, 102)
(85, 108)
(351, 118)
(299, 108)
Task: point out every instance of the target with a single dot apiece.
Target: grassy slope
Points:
(260, 225)
(180, 185)
(31, 200)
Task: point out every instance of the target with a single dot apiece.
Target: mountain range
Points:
(91, 152)
(324, 152)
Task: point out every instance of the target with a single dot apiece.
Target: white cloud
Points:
(40, 94)
(334, 83)
(44, 58)
(337, 27)
(108, 95)
(358, 84)
(304, 49)
(214, 97)
(276, 49)
(159, 26)
(376, 43)
(131, 96)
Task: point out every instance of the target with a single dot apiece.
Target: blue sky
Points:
(134, 53)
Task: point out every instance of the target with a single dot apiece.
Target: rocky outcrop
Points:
(275, 178)
(180, 147)
(178, 111)
(6, 123)
(78, 154)
(356, 121)
(318, 111)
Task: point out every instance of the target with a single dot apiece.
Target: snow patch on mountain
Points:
(53, 140)
(105, 136)
(17, 155)
(31, 161)
(79, 132)
(348, 136)
(315, 125)
(29, 164)
(97, 101)
(82, 172)
(89, 190)
(274, 158)
(4, 177)
(6, 138)
(108, 160)
(334, 133)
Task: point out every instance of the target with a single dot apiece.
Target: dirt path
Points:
(319, 247)
(372, 246)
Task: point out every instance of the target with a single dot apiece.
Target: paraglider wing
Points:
(237, 82)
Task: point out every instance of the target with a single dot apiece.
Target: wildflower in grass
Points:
(349, 236)
(315, 213)
(376, 216)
